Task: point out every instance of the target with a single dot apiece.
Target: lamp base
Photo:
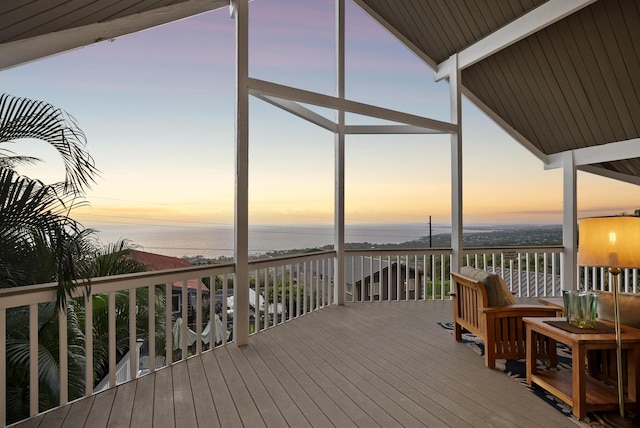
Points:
(614, 420)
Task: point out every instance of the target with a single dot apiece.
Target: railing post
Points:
(240, 9)
(339, 263)
(456, 165)
(569, 256)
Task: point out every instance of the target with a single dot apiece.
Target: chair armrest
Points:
(536, 310)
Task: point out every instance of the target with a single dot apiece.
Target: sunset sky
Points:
(157, 109)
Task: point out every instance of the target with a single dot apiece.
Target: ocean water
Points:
(215, 241)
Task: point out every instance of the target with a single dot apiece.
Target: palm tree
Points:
(38, 241)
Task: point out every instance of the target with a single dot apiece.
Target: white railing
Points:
(599, 278)
(386, 275)
(110, 322)
(285, 288)
(93, 328)
(528, 272)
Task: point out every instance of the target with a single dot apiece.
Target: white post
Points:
(569, 257)
(456, 165)
(240, 9)
(338, 272)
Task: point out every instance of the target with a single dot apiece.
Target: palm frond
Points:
(27, 118)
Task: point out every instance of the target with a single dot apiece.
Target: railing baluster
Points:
(225, 295)
(112, 338)
(168, 323)
(33, 359)
(152, 328)
(199, 316)
(133, 338)
(185, 319)
(63, 352)
(88, 344)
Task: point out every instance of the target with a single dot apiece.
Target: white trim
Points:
(516, 30)
(456, 167)
(13, 54)
(241, 209)
(569, 259)
(261, 87)
(339, 161)
(388, 129)
(620, 150)
(300, 111)
(603, 172)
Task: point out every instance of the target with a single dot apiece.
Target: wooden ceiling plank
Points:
(10, 6)
(448, 22)
(441, 37)
(75, 13)
(630, 11)
(603, 76)
(16, 19)
(625, 61)
(423, 12)
(559, 108)
(483, 21)
(421, 17)
(550, 129)
(465, 20)
(503, 100)
(567, 77)
(414, 29)
(615, 72)
(587, 98)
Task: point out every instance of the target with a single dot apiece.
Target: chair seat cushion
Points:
(497, 292)
(629, 307)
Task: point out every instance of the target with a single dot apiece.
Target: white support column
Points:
(240, 11)
(569, 260)
(338, 227)
(456, 164)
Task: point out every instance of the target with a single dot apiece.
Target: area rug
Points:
(516, 370)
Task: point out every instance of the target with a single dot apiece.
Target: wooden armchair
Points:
(481, 306)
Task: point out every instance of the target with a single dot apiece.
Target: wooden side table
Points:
(576, 387)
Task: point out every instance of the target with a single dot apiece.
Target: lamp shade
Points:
(609, 241)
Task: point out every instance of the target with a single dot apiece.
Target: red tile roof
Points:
(160, 262)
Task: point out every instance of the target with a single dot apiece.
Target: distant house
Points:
(369, 278)
(161, 262)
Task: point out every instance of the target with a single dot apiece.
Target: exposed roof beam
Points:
(300, 111)
(388, 129)
(261, 87)
(524, 142)
(24, 51)
(603, 172)
(620, 150)
(539, 18)
(309, 115)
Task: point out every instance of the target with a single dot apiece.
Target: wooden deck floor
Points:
(365, 365)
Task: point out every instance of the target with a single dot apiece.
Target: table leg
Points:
(579, 396)
(531, 338)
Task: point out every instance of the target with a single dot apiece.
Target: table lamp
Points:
(612, 242)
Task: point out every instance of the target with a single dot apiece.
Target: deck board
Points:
(163, 414)
(385, 364)
(202, 400)
(143, 402)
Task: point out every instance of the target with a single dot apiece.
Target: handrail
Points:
(283, 288)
